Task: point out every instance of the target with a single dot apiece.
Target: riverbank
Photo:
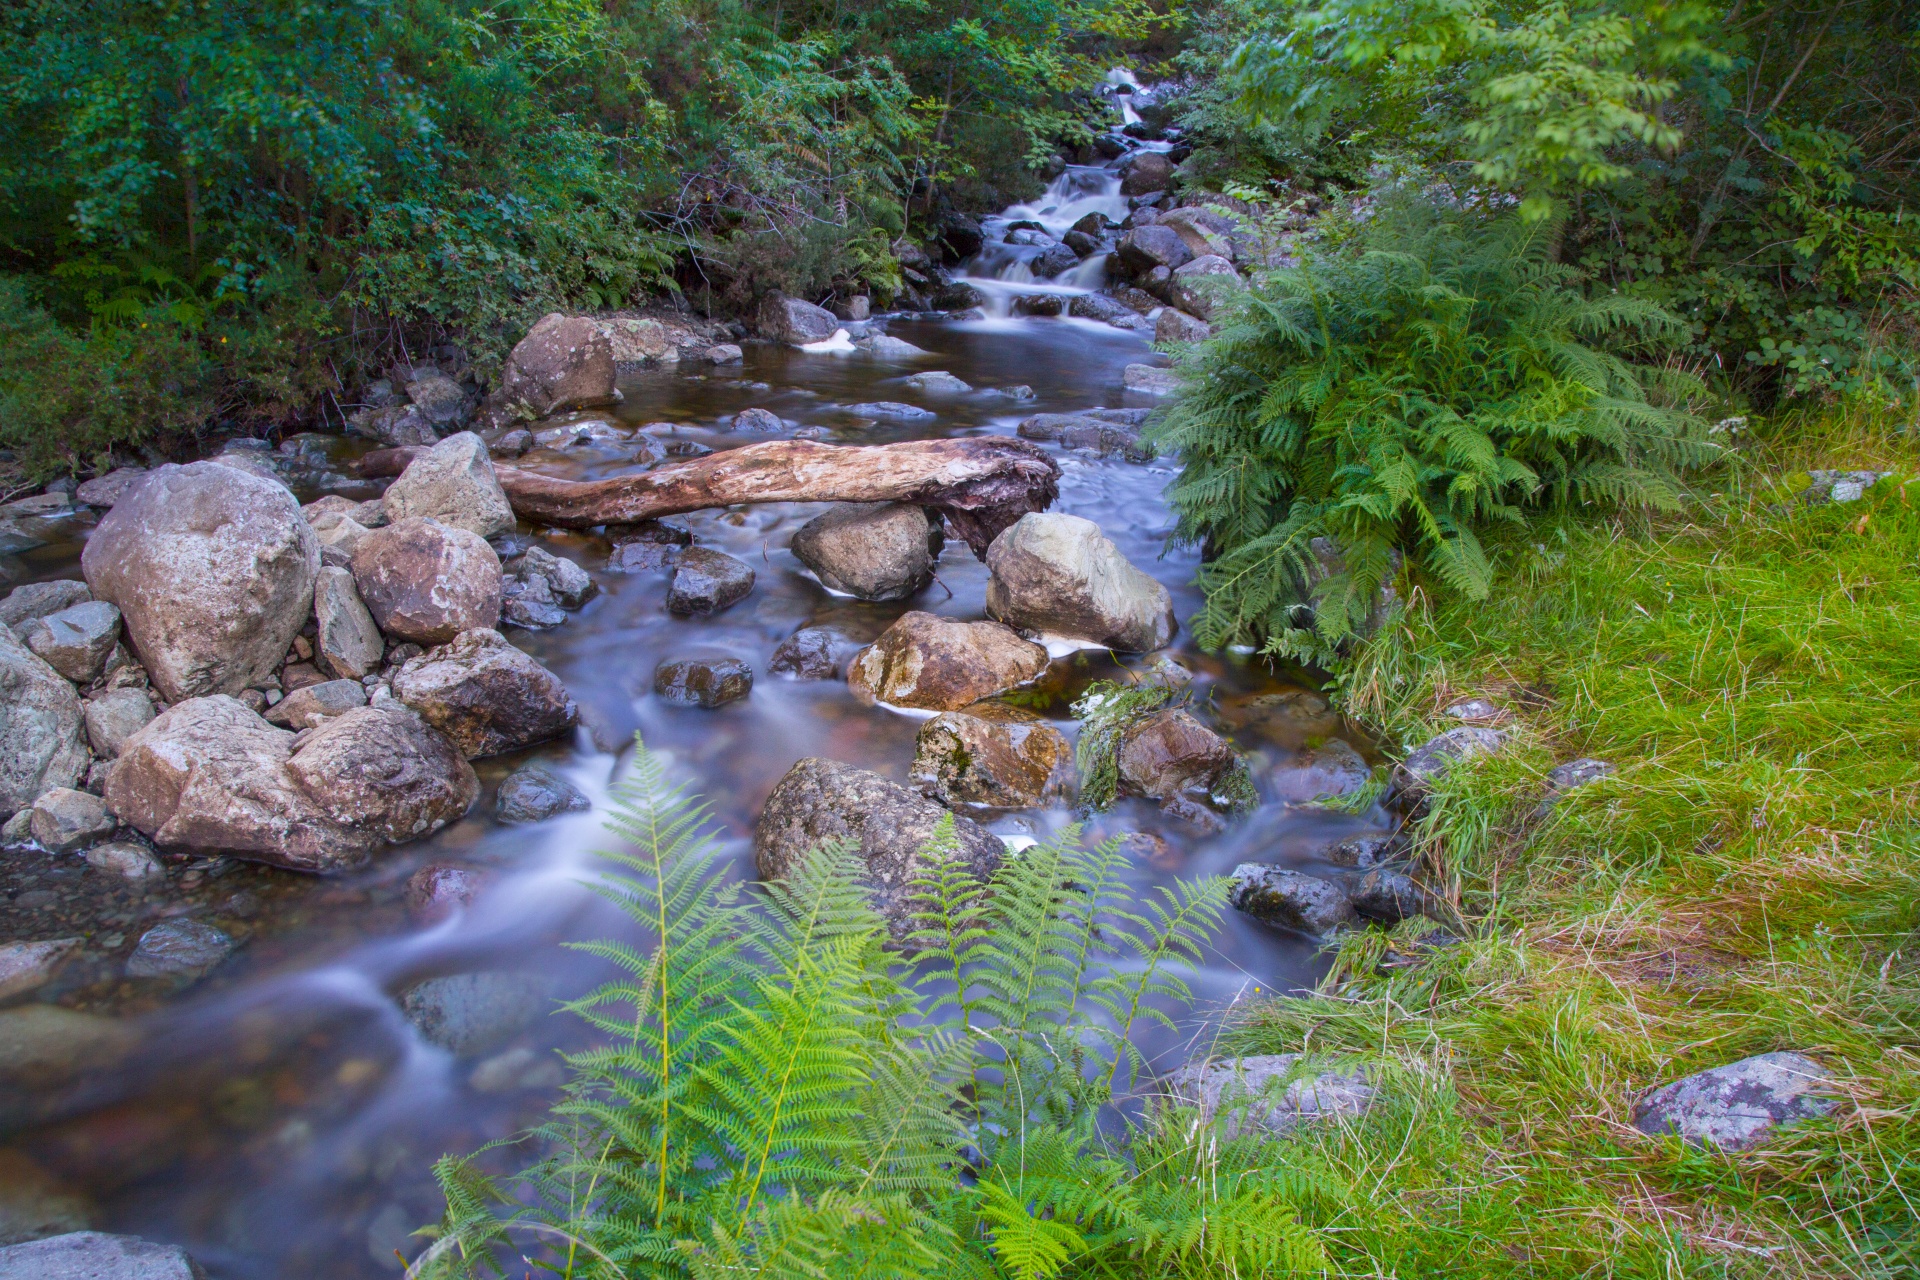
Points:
(1745, 882)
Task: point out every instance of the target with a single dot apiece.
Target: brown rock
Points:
(310, 705)
(1060, 575)
(992, 754)
(436, 891)
(942, 664)
(1170, 752)
(383, 773)
(564, 362)
(485, 695)
(872, 551)
(426, 581)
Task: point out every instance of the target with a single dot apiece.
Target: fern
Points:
(1438, 379)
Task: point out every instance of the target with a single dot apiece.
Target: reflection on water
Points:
(280, 1120)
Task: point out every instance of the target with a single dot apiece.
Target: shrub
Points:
(1438, 373)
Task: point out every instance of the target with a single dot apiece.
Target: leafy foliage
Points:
(1438, 376)
(780, 1094)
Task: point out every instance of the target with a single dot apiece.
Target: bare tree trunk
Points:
(981, 484)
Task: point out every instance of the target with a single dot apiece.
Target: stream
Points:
(281, 1117)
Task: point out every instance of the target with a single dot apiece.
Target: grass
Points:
(1746, 882)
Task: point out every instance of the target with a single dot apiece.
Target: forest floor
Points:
(1746, 882)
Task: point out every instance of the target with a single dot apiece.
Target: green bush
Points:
(1438, 373)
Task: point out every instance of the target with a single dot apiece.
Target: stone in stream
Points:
(28, 966)
(1388, 895)
(1268, 1093)
(1170, 753)
(94, 1255)
(212, 570)
(1291, 899)
(534, 793)
(308, 706)
(486, 695)
(872, 550)
(813, 653)
(104, 491)
(937, 382)
(1735, 1107)
(1144, 248)
(125, 859)
(793, 321)
(761, 420)
(179, 948)
(638, 557)
(1205, 232)
(564, 362)
(1413, 777)
(994, 755)
(437, 890)
(65, 820)
(702, 682)
(1053, 259)
(382, 773)
(38, 599)
(1176, 326)
(707, 581)
(113, 716)
(1113, 311)
(823, 800)
(338, 536)
(426, 581)
(569, 585)
(473, 1013)
(42, 736)
(35, 1205)
(1146, 172)
(438, 398)
(1147, 379)
(942, 664)
(1328, 771)
(348, 640)
(724, 353)
(888, 347)
(891, 409)
(1058, 575)
(453, 482)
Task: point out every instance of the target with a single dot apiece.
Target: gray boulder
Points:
(567, 584)
(1736, 1106)
(938, 382)
(94, 1255)
(534, 793)
(1199, 284)
(1205, 232)
(311, 704)
(1268, 1093)
(1176, 326)
(212, 570)
(994, 755)
(1060, 576)
(872, 551)
(702, 682)
(438, 398)
(942, 664)
(42, 738)
(707, 581)
(113, 716)
(1414, 777)
(794, 322)
(1113, 311)
(564, 362)
(486, 695)
(104, 491)
(426, 581)
(1144, 248)
(1146, 173)
(76, 641)
(179, 948)
(453, 482)
(1149, 380)
(65, 820)
(347, 640)
(823, 800)
(474, 1013)
(1291, 899)
(383, 775)
(765, 421)
(38, 599)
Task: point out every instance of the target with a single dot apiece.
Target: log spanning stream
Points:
(280, 1117)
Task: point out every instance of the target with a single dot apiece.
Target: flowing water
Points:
(280, 1118)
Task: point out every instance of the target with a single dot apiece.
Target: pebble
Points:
(178, 948)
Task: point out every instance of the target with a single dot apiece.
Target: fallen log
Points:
(981, 484)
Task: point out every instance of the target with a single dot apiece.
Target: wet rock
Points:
(887, 347)
(65, 820)
(1113, 311)
(113, 716)
(765, 421)
(961, 236)
(520, 1068)
(44, 1047)
(724, 353)
(707, 581)
(1146, 173)
(1087, 430)
(486, 695)
(1060, 576)
(453, 482)
(438, 398)
(1388, 896)
(210, 774)
(1328, 771)
(992, 754)
(178, 948)
(1291, 899)
(959, 296)
(34, 1206)
(1735, 1107)
(937, 382)
(794, 322)
(1175, 325)
(348, 640)
(1199, 285)
(533, 615)
(564, 362)
(125, 859)
(1053, 259)
(1144, 248)
(892, 409)
(1039, 304)
(638, 557)
(383, 774)
(567, 583)
(1365, 851)
(813, 653)
(1149, 380)
(212, 570)
(309, 706)
(872, 551)
(473, 1013)
(512, 444)
(702, 682)
(1414, 777)
(28, 966)
(104, 491)
(942, 664)
(534, 793)
(823, 800)
(38, 599)
(1171, 752)
(436, 891)
(426, 581)
(1206, 233)
(93, 1255)
(1269, 1093)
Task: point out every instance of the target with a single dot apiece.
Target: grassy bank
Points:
(1745, 883)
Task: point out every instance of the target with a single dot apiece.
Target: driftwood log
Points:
(981, 484)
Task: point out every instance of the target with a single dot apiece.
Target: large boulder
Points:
(792, 321)
(453, 482)
(1176, 326)
(485, 694)
(823, 800)
(94, 1255)
(872, 551)
(564, 362)
(1144, 248)
(1268, 1093)
(1736, 1106)
(212, 569)
(1060, 576)
(994, 755)
(348, 640)
(427, 582)
(1197, 285)
(383, 773)
(1171, 753)
(65, 820)
(43, 740)
(942, 664)
(1205, 232)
